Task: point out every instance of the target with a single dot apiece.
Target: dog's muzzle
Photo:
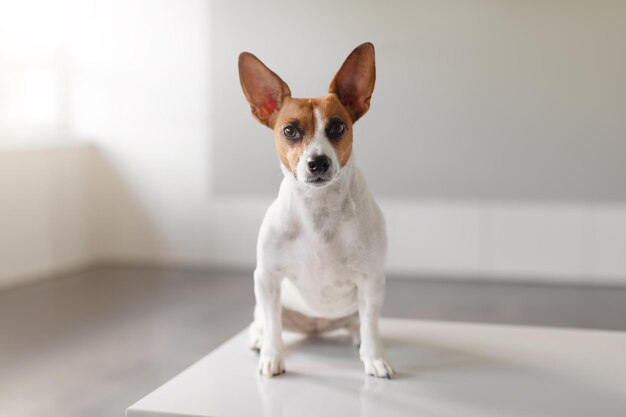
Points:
(318, 170)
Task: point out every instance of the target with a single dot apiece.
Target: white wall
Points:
(480, 99)
(44, 213)
(140, 91)
(509, 240)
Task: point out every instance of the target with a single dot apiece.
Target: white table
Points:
(444, 369)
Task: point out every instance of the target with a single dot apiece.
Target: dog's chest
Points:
(322, 261)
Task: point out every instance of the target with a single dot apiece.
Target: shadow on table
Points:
(431, 380)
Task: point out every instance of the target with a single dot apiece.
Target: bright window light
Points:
(31, 66)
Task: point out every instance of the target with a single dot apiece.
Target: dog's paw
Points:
(270, 366)
(378, 367)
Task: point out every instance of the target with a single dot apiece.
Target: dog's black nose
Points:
(318, 164)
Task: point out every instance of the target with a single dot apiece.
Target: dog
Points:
(322, 244)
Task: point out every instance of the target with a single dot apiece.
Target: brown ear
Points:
(354, 82)
(264, 90)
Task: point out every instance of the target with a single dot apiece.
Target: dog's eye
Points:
(291, 132)
(335, 129)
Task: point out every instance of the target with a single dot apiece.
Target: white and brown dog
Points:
(322, 244)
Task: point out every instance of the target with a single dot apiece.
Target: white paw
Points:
(378, 367)
(270, 366)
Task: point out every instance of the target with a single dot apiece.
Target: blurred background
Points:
(133, 178)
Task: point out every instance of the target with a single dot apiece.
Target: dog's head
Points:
(313, 137)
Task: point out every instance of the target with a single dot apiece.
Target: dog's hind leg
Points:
(256, 330)
(298, 322)
(354, 328)
(294, 321)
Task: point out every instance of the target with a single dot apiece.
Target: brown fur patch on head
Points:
(294, 110)
(302, 112)
(330, 107)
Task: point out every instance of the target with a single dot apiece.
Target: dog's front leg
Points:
(267, 292)
(371, 294)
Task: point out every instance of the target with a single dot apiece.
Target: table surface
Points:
(443, 369)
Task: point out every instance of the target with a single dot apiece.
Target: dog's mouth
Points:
(318, 181)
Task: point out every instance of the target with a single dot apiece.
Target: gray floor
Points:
(90, 344)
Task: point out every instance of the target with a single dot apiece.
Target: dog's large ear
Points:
(264, 90)
(354, 82)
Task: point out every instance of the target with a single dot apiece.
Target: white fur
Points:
(321, 253)
(319, 146)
